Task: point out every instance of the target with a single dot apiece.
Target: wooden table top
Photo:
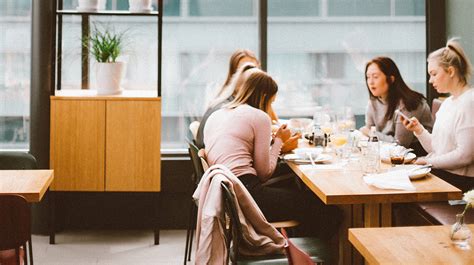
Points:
(409, 245)
(346, 186)
(31, 184)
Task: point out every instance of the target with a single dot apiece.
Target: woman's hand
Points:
(283, 133)
(290, 144)
(365, 130)
(420, 161)
(412, 125)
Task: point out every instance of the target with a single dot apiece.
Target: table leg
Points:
(52, 218)
(156, 228)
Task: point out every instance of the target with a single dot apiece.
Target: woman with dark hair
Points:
(238, 136)
(451, 145)
(388, 92)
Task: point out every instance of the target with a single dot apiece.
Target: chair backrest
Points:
(17, 160)
(193, 127)
(15, 221)
(233, 228)
(197, 161)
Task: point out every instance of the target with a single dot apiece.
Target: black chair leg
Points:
(188, 232)
(193, 230)
(30, 250)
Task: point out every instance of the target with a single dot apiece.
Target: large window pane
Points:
(284, 8)
(196, 53)
(322, 62)
(15, 56)
(358, 7)
(221, 8)
(409, 7)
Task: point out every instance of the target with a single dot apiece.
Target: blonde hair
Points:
(453, 55)
(257, 91)
(234, 84)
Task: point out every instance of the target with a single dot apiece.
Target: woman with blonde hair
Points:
(450, 146)
(238, 136)
(240, 61)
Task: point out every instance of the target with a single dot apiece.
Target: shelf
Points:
(105, 13)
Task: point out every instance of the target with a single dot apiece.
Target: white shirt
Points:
(451, 145)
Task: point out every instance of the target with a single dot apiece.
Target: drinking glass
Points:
(397, 155)
(339, 140)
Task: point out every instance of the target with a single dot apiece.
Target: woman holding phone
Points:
(451, 145)
(389, 93)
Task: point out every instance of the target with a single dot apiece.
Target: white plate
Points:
(419, 173)
(414, 173)
(321, 159)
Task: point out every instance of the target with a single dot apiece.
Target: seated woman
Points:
(239, 136)
(237, 60)
(451, 145)
(388, 92)
(240, 61)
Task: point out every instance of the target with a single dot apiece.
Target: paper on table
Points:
(397, 180)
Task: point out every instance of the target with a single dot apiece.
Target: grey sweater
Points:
(393, 130)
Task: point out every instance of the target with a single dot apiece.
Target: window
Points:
(320, 59)
(15, 28)
(196, 50)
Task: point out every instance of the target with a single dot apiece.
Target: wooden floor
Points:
(110, 247)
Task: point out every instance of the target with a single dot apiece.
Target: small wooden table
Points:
(364, 205)
(31, 184)
(409, 245)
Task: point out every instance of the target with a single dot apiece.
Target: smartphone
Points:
(399, 112)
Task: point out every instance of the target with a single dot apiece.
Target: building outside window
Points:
(317, 50)
(15, 56)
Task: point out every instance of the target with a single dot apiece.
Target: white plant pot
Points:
(88, 5)
(108, 78)
(138, 6)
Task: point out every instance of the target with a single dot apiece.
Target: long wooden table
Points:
(364, 205)
(31, 184)
(409, 245)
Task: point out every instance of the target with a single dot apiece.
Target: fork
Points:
(311, 159)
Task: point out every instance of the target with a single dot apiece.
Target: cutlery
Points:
(311, 158)
(421, 167)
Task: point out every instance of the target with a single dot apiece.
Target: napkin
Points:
(397, 180)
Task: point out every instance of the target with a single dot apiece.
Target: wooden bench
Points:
(429, 213)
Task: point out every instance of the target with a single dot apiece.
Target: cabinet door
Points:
(77, 145)
(133, 145)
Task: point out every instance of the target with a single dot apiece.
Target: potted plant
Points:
(106, 45)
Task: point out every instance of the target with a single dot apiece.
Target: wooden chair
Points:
(314, 247)
(18, 160)
(15, 229)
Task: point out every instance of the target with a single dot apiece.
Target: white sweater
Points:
(451, 145)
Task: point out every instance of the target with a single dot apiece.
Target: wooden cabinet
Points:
(105, 143)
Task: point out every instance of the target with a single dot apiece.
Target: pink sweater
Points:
(240, 140)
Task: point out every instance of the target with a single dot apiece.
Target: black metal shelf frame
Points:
(85, 31)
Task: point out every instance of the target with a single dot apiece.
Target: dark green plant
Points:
(105, 45)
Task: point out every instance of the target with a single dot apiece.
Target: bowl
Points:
(304, 153)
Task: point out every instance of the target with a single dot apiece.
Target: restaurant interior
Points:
(131, 132)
